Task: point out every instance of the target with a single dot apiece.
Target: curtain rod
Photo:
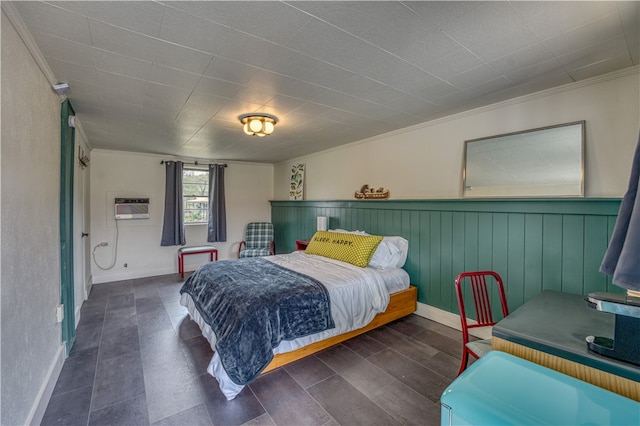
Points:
(195, 163)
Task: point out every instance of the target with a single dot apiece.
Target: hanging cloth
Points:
(173, 223)
(622, 259)
(217, 227)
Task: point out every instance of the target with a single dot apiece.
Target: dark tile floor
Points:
(139, 359)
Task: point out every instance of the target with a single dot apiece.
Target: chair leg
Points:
(465, 361)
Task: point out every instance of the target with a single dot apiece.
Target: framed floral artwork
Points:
(296, 190)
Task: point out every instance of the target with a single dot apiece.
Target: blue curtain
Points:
(173, 225)
(217, 229)
(621, 258)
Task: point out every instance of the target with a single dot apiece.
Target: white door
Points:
(81, 273)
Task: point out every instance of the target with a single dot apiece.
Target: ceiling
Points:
(171, 78)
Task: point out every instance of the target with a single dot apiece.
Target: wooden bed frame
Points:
(401, 304)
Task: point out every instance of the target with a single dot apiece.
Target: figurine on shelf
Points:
(370, 193)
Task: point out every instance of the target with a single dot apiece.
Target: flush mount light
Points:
(258, 123)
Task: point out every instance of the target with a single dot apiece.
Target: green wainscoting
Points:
(534, 244)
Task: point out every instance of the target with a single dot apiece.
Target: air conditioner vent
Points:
(132, 208)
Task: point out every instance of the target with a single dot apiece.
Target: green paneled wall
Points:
(533, 244)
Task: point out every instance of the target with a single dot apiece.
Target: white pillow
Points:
(391, 252)
(386, 256)
(402, 245)
(344, 231)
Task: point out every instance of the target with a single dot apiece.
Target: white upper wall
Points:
(114, 174)
(30, 254)
(425, 161)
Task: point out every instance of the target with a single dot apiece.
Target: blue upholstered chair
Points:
(258, 240)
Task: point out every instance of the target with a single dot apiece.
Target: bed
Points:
(328, 298)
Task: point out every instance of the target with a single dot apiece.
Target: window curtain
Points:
(173, 225)
(217, 228)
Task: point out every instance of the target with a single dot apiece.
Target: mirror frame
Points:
(582, 124)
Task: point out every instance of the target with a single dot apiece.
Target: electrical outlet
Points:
(59, 313)
(104, 244)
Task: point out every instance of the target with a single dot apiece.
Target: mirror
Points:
(544, 162)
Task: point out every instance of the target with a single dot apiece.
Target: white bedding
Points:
(357, 295)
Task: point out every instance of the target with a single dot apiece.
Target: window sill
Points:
(196, 224)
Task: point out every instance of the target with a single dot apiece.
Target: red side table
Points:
(183, 251)
(302, 244)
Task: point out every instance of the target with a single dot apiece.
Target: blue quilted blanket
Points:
(252, 304)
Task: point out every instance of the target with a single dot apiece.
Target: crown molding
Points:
(16, 21)
(168, 157)
(633, 70)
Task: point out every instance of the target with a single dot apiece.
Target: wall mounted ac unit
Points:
(132, 208)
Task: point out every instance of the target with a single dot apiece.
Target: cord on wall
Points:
(104, 244)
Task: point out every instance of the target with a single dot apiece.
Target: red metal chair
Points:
(479, 282)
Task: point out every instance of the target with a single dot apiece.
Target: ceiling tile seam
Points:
(230, 28)
(167, 5)
(97, 48)
(624, 33)
(369, 43)
(67, 11)
(586, 25)
(570, 72)
(539, 41)
(195, 133)
(328, 88)
(251, 65)
(524, 21)
(189, 97)
(325, 87)
(156, 38)
(164, 14)
(450, 37)
(153, 63)
(313, 84)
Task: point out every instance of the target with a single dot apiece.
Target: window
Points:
(195, 193)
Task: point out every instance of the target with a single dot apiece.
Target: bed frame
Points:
(401, 304)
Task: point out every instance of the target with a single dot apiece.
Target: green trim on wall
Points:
(67, 151)
(534, 244)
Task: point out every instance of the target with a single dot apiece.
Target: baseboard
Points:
(44, 395)
(131, 275)
(449, 319)
(87, 288)
(76, 315)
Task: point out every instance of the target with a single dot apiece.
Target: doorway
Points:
(67, 151)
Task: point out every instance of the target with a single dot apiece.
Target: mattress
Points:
(395, 280)
(357, 296)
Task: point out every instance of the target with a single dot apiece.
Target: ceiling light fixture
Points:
(258, 123)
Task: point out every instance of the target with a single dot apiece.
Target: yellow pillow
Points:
(351, 248)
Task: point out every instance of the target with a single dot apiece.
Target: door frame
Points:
(67, 289)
